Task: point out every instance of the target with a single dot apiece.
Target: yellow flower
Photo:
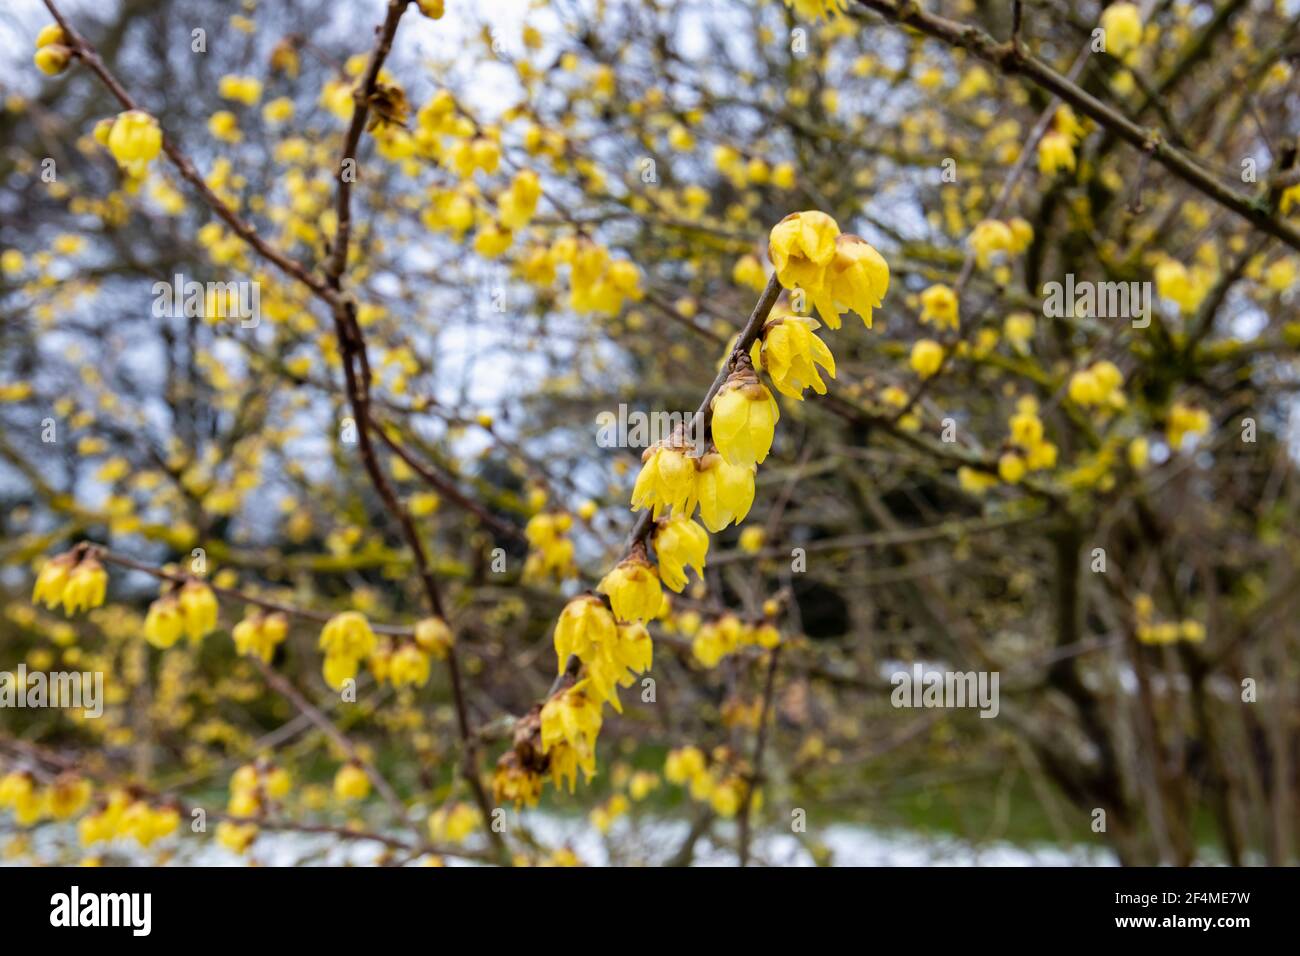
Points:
(926, 357)
(683, 764)
(53, 580)
(67, 796)
(454, 823)
(258, 635)
(242, 89)
(409, 665)
(748, 271)
(1122, 23)
(666, 480)
(790, 352)
(351, 783)
(744, 418)
(434, 636)
(519, 202)
(570, 725)
(801, 247)
(347, 635)
(752, 540)
(224, 126)
(87, 584)
(680, 543)
(990, 237)
(52, 59)
(1011, 467)
(135, 140)
(199, 609)
(858, 279)
(1055, 152)
(633, 588)
(939, 305)
(585, 625)
(164, 623)
(1018, 329)
(725, 491)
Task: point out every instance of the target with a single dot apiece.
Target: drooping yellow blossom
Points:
(680, 543)
(135, 140)
(926, 358)
(939, 306)
(164, 623)
(258, 635)
(434, 637)
(53, 580)
(409, 666)
(857, 279)
(790, 352)
(199, 609)
(667, 478)
(86, 587)
(346, 640)
(744, 417)
(585, 625)
(801, 247)
(351, 783)
(1122, 23)
(519, 202)
(633, 588)
(725, 491)
(551, 552)
(1055, 152)
(570, 725)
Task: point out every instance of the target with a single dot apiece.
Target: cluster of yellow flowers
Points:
(258, 634)
(1185, 287)
(1100, 385)
(939, 307)
(135, 140)
(346, 640)
(1056, 148)
(1151, 631)
(551, 549)
(837, 272)
(52, 50)
(73, 580)
(191, 611)
(406, 666)
(452, 824)
(123, 815)
(992, 237)
(612, 653)
(64, 797)
(716, 782)
(728, 634)
(1029, 451)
